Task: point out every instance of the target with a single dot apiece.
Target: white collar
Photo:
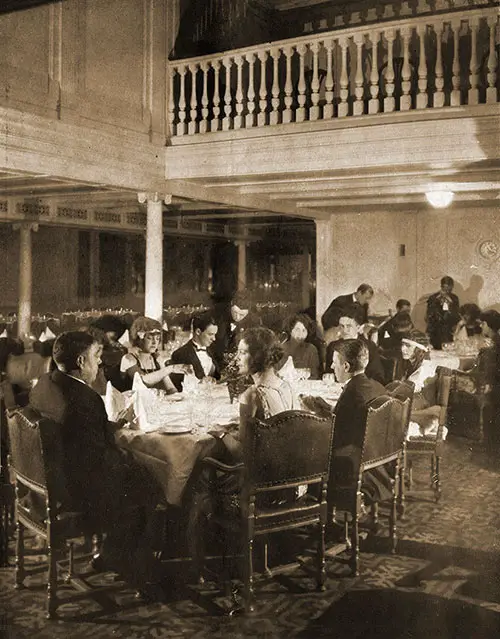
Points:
(78, 379)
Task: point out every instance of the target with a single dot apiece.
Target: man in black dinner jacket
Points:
(198, 351)
(356, 302)
(102, 481)
(350, 359)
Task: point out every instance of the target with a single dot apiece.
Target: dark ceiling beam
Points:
(9, 6)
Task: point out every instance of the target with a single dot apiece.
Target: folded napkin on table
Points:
(287, 371)
(125, 339)
(49, 334)
(114, 402)
(42, 337)
(4, 335)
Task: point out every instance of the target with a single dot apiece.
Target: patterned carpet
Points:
(443, 583)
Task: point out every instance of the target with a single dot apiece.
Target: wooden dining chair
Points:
(288, 450)
(385, 431)
(431, 445)
(43, 505)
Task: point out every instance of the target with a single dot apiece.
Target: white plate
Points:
(175, 430)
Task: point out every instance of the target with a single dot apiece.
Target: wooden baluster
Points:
(439, 94)
(300, 114)
(422, 98)
(344, 79)
(405, 102)
(287, 113)
(328, 108)
(262, 115)
(359, 78)
(204, 99)
(181, 127)
(239, 120)
(373, 104)
(455, 79)
(389, 101)
(314, 110)
(216, 99)
(227, 107)
(171, 101)
(474, 67)
(250, 117)
(193, 113)
(275, 90)
(491, 91)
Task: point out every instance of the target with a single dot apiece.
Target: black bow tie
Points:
(200, 348)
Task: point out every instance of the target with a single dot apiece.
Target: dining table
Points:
(177, 434)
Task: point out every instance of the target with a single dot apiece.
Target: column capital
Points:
(29, 226)
(145, 197)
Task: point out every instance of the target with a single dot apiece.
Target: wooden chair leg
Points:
(374, 514)
(437, 479)
(51, 580)
(401, 494)
(392, 522)
(71, 563)
(249, 594)
(20, 572)
(433, 470)
(354, 561)
(321, 577)
(348, 544)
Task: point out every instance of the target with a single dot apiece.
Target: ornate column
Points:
(94, 268)
(324, 265)
(25, 278)
(153, 289)
(242, 264)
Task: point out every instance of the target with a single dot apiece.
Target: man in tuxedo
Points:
(198, 351)
(350, 359)
(102, 480)
(232, 322)
(349, 328)
(347, 304)
(442, 313)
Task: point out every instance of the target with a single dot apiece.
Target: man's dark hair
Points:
(241, 300)
(203, 321)
(402, 322)
(402, 302)
(492, 318)
(364, 288)
(447, 280)
(472, 311)
(68, 347)
(354, 352)
(355, 313)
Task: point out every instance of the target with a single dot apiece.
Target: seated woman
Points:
(304, 354)
(469, 324)
(258, 352)
(418, 368)
(144, 358)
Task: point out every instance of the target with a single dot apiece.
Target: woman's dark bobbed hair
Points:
(263, 347)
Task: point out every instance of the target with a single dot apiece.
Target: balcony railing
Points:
(427, 62)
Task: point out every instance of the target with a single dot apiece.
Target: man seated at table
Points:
(350, 359)
(356, 302)
(198, 351)
(102, 480)
(349, 328)
(390, 327)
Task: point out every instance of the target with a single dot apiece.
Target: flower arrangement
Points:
(236, 382)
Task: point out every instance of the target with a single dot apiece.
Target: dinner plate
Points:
(175, 430)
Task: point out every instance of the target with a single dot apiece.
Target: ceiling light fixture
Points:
(440, 199)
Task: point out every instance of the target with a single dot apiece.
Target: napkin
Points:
(165, 326)
(49, 334)
(4, 334)
(287, 371)
(114, 402)
(43, 337)
(125, 339)
(141, 414)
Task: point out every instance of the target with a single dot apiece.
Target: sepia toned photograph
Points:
(250, 319)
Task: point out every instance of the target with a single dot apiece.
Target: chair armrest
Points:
(228, 468)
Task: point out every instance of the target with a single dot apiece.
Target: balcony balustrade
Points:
(429, 62)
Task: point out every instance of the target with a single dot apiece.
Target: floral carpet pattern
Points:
(442, 583)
